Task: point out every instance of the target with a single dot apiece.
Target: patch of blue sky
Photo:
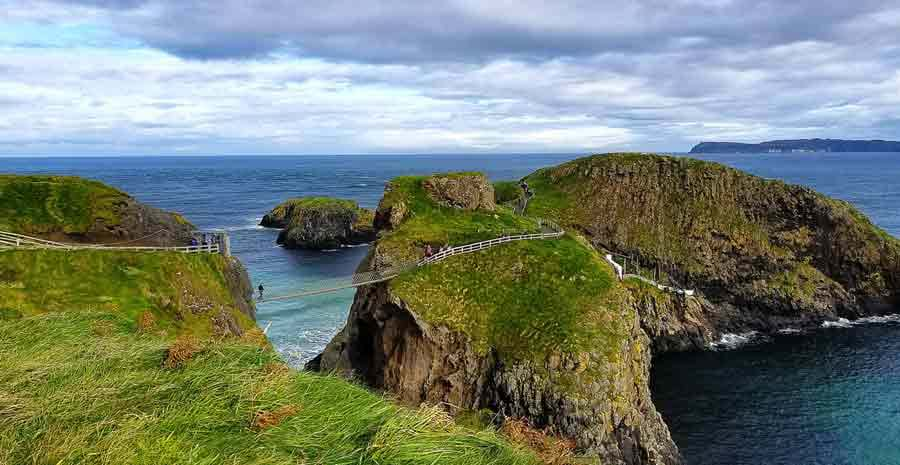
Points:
(75, 35)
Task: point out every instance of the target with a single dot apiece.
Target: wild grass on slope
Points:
(39, 204)
(82, 387)
(181, 290)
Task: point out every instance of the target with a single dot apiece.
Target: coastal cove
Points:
(235, 192)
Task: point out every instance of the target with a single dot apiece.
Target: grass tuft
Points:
(183, 349)
(263, 420)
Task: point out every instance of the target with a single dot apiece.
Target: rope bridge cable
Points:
(365, 278)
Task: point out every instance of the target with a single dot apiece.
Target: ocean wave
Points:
(789, 331)
(869, 320)
(353, 246)
(252, 223)
(730, 341)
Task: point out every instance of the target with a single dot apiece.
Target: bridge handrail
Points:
(14, 240)
(384, 274)
(556, 231)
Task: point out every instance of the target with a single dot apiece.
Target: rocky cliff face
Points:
(320, 223)
(611, 416)
(594, 392)
(468, 191)
(763, 254)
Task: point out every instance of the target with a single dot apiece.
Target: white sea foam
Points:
(251, 223)
(353, 246)
(790, 331)
(730, 341)
(869, 320)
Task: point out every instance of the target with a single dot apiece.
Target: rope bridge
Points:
(548, 230)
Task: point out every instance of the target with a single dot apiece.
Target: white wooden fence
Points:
(10, 240)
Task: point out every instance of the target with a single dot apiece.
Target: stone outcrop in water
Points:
(320, 223)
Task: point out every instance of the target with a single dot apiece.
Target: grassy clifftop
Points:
(722, 229)
(186, 294)
(526, 299)
(40, 204)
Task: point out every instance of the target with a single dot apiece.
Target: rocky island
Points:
(320, 223)
(544, 331)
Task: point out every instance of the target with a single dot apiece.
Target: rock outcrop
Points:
(763, 254)
(388, 346)
(468, 191)
(73, 209)
(595, 393)
(320, 223)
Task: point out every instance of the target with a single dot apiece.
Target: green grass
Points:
(525, 299)
(506, 191)
(70, 393)
(127, 283)
(42, 204)
(318, 203)
(431, 223)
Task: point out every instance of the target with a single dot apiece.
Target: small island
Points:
(319, 223)
(799, 145)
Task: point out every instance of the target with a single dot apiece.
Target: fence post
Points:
(226, 245)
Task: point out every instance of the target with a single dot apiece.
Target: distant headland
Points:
(799, 145)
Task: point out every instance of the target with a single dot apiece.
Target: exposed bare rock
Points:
(387, 346)
(468, 191)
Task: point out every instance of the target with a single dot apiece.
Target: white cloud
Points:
(112, 93)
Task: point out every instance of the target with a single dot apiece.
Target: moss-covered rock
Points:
(70, 208)
(763, 253)
(320, 223)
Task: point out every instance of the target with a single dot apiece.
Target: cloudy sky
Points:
(347, 76)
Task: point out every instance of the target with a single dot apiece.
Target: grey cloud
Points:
(476, 31)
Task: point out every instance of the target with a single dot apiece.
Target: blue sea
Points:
(830, 396)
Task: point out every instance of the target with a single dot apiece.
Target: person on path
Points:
(428, 251)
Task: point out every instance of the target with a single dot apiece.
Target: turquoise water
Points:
(829, 397)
